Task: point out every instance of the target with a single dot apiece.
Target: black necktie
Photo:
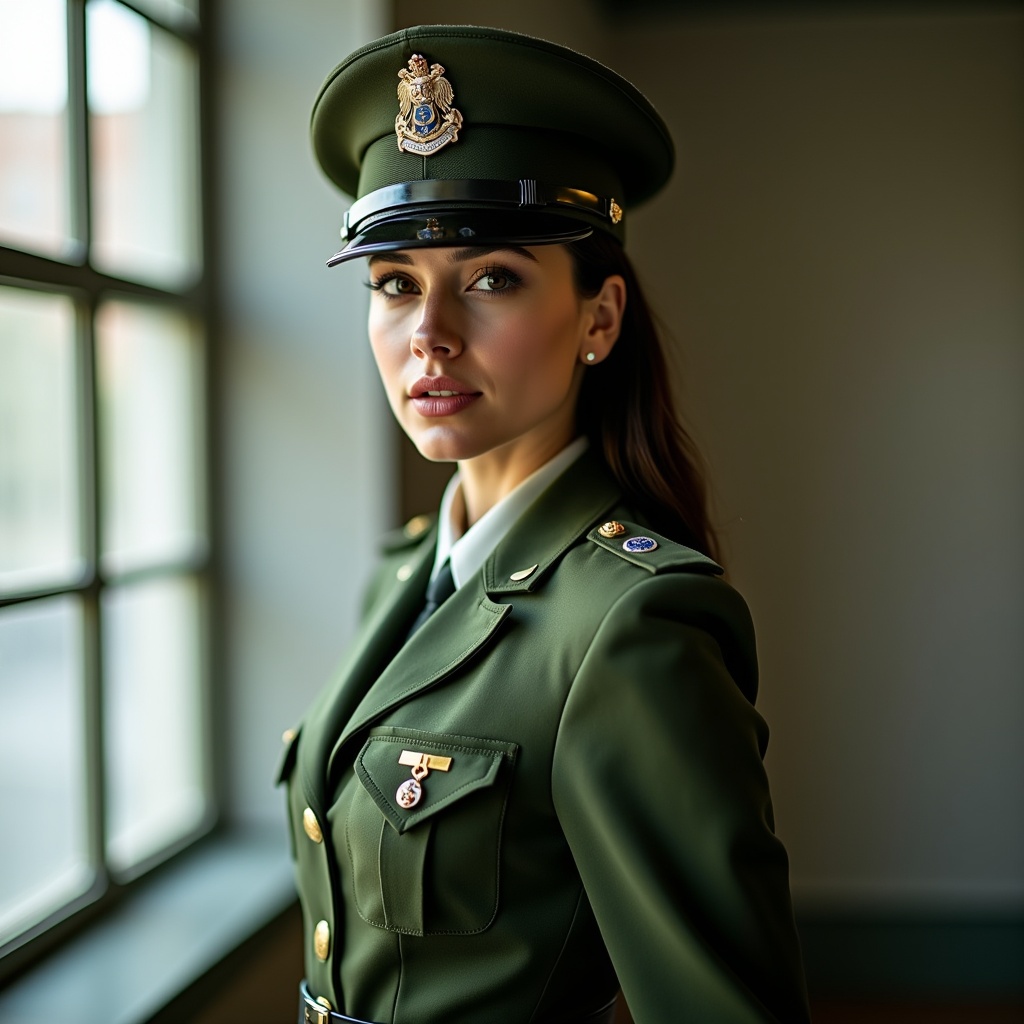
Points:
(440, 588)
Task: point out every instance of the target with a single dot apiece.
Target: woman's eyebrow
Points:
(389, 257)
(476, 251)
(473, 252)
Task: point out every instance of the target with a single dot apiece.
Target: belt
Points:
(312, 1012)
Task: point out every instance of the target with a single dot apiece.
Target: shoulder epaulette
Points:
(641, 546)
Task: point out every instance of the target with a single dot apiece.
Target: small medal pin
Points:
(410, 792)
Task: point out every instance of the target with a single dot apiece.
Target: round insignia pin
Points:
(409, 794)
(639, 545)
(611, 529)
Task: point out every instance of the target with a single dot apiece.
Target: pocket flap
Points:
(475, 764)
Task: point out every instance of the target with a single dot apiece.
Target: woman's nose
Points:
(436, 334)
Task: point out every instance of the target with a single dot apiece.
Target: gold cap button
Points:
(611, 529)
(312, 826)
(322, 940)
(288, 735)
(404, 572)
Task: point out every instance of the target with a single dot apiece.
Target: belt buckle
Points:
(316, 1014)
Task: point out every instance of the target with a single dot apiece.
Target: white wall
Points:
(842, 261)
(307, 480)
(572, 23)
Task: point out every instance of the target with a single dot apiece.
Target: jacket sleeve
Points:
(661, 792)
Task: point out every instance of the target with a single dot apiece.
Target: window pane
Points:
(149, 383)
(173, 11)
(34, 208)
(153, 717)
(44, 852)
(144, 125)
(39, 535)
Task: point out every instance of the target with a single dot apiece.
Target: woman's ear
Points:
(602, 320)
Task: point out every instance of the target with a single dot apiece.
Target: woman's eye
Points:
(393, 285)
(496, 281)
(397, 286)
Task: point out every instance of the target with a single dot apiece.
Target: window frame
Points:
(74, 276)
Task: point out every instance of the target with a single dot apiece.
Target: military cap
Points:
(456, 135)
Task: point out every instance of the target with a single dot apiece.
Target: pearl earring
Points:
(591, 357)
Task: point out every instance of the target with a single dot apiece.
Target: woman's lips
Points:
(444, 403)
(441, 396)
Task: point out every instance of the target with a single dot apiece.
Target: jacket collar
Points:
(469, 552)
(556, 520)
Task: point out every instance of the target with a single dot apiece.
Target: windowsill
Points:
(161, 939)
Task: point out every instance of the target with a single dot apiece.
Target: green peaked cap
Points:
(505, 139)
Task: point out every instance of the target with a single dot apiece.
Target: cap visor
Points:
(467, 227)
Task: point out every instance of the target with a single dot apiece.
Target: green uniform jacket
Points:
(605, 819)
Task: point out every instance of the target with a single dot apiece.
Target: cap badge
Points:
(612, 528)
(614, 211)
(426, 120)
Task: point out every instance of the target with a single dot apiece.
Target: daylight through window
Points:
(104, 539)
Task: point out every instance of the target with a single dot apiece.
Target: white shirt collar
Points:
(469, 552)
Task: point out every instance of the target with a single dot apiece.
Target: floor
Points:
(901, 1013)
(914, 1013)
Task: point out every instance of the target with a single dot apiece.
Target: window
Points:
(105, 759)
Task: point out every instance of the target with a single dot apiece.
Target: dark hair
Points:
(626, 408)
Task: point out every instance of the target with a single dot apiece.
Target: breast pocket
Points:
(425, 848)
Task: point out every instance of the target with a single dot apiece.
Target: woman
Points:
(537, 777)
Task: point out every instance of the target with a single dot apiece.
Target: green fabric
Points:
(499, 78)
(526, 110)
(605, 820)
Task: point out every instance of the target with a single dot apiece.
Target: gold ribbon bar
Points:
(434, 762)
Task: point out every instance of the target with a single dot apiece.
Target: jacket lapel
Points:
(562, 514)
(378, 637)
(467, 623)
(457, 631)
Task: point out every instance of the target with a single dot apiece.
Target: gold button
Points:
(322, 940)
(288, 735)
(404, 572)
(611, 529)
(324, 1002)
(416, 526)
(312, 826)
